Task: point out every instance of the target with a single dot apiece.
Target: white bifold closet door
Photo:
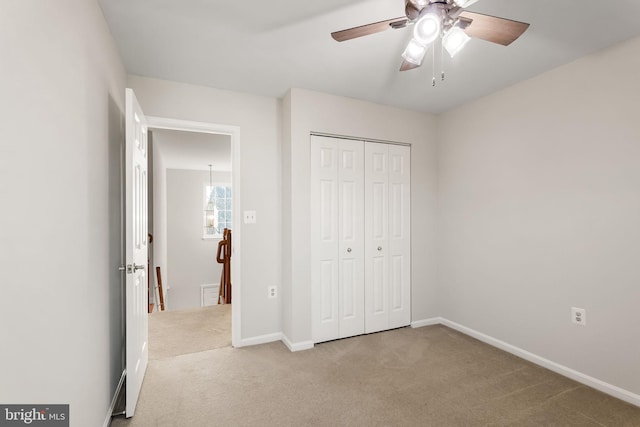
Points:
(360, 237)
(387, 236)
(337, 249)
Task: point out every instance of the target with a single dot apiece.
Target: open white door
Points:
(137, 351)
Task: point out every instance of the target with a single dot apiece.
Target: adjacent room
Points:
(435, 210)
(190, 208)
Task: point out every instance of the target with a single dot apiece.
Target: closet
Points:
(360, 237)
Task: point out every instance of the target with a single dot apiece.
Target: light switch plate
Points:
(249, 217)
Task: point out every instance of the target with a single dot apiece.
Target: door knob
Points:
(379, 248)
(132, 268)
(349, 250)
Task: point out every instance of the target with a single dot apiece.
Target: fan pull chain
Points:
(442, 58)
(433, 66)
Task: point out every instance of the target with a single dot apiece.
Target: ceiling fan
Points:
(447, 19)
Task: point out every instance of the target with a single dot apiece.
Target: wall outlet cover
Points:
(272, 291)
(579, 316)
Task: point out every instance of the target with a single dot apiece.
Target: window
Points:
(217, 210)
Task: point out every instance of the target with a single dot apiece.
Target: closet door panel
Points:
(325, 239)
(360, 237)
(351, 235)
(399, 236)
(327, 280)
(376, 237)
(396, 283)
(378, 286)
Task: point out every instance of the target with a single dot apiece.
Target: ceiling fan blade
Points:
(365, 30)
(406, 65)
(493, 29)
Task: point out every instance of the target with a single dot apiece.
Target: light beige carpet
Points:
(430, 376)
(172, 333)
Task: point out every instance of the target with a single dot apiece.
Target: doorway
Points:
(224, 172)
(191, 194)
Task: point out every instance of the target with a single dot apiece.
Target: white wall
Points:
(539, 211)
(259, 121)
(191, 259)
(62, 87)
(307, 111)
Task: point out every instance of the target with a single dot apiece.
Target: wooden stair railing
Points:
(224, 257)
(149, 277)
(160, 289)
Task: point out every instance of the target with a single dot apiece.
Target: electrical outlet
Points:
(272, 291)
(249, 217)
(579, 316)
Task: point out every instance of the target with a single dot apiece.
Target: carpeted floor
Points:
(430, 376)
(172, 333)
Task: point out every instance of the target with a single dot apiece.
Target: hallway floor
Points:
(172, 333)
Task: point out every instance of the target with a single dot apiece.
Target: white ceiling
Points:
(268, 47)
(192, 150)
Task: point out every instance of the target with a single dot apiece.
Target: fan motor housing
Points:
(414, 7)
(412, 10)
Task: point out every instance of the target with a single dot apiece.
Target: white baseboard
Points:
(426, 322)
(261, 339)
(298, 346)
(602, 386)
(107, 420)
(278, 336)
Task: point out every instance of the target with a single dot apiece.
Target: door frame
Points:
(233, 132)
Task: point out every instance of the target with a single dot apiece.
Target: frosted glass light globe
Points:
(427, 28)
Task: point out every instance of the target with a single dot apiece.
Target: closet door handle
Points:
(349, 250)
(379, 248)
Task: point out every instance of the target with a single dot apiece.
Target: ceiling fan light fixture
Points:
(455, 40)
(414, 52)
(427, 28)
(464, 3)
